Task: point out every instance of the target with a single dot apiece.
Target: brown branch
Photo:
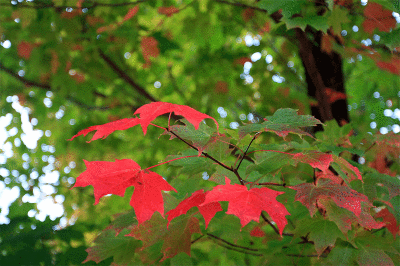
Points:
(46, 86)
(234, 245)
(24, 80)
(204, 153)
(125, 77)
(309, 62)
(95, 4)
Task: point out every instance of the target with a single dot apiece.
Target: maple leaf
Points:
(115, 177)
(151, 111)
(257, 232)
(149, 47)
(24, 49)
(242, 60)
(177, 238)
(130, 14)
(316, 159)
(322, 232)
(390, 221)
(247, 205)
(108, 245)
(378, 17)
(392, 66)
(282, 122)
(169, 11)
(106, 129)
(344, 218)
(309, 194)
(195, 200)
(345, 169)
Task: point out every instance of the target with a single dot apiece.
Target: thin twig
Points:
(231, 244)
(204, 153)
(125, 77)
(245, 153)
(269, 222)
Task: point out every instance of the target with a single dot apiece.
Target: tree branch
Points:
(93, 5)
(46, 86)
(125, 77)
(24, 80)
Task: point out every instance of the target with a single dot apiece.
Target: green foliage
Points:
(80, 63)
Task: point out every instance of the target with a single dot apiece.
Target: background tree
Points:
(76, 64)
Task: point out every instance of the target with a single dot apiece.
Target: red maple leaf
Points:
(149, 47)
(390, 221)
(392, 66)
(115, 177)
(316, 159)
(309, 194)
(151, 111)
(24, 49)
(195, 200)
(247, 205)
(169, 11)
(242, 61)
(344, 218)
(378, 17)
(257, 232)
(106, 129)
(131, 13)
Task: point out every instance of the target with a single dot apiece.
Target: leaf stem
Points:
(158, 126)
(244, 154)
(204, 153)
(269, 222)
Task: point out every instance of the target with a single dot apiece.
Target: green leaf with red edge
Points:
(177, 238)
(102, 131)
(344, 218)
(316, 159)
(151, 111)
(247, 205)
(282, 122)
(115, 177)
(107, 244)
(322, 232)
(377, 17)
(390, 221)
(309, 194)
(195, 200)
(346, 171)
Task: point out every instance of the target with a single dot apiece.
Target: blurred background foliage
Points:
(66, 65)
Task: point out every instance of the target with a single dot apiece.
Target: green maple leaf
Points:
(108, 245)
(176, 238)
(315, 21)
(282, 122)
(323, 232)
(289, 7)
(337, 17)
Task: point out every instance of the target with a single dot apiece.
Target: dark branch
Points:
(93, 5)
(24, 80)
(125, 77)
